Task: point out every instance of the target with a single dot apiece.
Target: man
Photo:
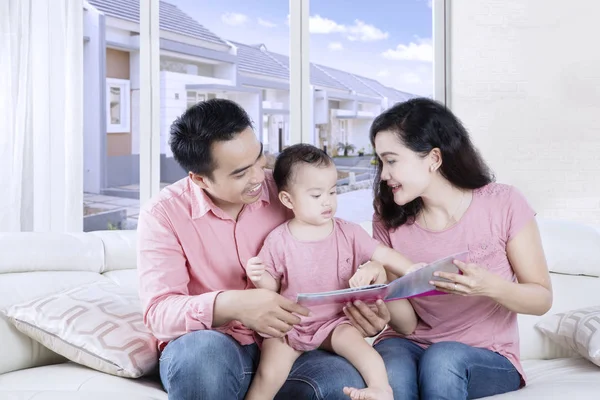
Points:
(194, 239)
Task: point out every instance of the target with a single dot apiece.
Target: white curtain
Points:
(41, 115)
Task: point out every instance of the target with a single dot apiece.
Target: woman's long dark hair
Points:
(422, 125)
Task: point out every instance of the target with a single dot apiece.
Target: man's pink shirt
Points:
(496, 214)
(189, 251)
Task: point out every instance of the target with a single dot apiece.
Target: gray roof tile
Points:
(253, 60)
(349, 80)
(317, 76)
(252, 56)
(171, 18)
(392, 94)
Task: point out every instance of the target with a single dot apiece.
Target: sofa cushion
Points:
(98, 325)
(72, 381)
(577, 330)
(37, 251)
(571, 248)
(18, 350)
(564, 378)
(574, 378)
(119, 249)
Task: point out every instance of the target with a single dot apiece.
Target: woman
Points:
(434, 197)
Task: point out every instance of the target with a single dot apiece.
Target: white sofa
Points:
(35, 264)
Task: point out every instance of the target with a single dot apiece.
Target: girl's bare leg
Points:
(346, 341)
(276, 361)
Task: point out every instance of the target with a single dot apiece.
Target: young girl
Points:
(315, 252)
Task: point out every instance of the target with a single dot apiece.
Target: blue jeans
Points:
(445, 370)
(205, 365)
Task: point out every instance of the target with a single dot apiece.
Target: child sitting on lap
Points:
(315, 252)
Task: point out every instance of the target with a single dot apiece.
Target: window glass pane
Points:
(231, 49)
(111, 116)
(364, 59)
(115, 105)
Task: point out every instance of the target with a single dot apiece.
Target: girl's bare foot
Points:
(371, 393)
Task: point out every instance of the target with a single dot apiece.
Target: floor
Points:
(353, 206)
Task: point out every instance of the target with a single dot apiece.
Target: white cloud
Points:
(411, 78)
(266, 24)
(384, 73)
(420, 51)
(335, 46)
(365, 32)
(234, 19)
(320, 25)
(360, 31)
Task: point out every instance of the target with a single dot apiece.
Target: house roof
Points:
(317, 76)
(253, 60)
(392, 94)
(349, 80)
(171, 18)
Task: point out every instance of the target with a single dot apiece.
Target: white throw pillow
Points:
(98, 325)
(577, 330)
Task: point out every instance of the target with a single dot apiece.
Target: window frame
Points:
(124, 86)
(301, 127)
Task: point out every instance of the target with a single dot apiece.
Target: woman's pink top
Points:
(496, 214)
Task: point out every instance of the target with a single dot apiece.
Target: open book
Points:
(413, 284)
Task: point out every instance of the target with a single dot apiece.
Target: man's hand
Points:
(255, 269)
(371, 272)
(368, 320)
(261, 310)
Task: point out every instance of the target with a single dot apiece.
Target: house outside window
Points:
(194, 97)
(118, 105)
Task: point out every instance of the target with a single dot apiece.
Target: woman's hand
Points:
(368, 319)
(474, 281)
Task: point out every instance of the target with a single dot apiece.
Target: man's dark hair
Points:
(290, 157)
(203, 124)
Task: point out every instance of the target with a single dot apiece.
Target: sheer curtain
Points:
(41, 115)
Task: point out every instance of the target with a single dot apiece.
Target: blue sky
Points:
(390, 43)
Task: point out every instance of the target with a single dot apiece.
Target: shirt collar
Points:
(202, 203)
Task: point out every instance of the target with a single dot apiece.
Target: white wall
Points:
(92, 118)
(525, 79)
(173, 101)
(121, 37)
(274, 96)
(320, 107)
(250, 103)
(359, 133)
(270, 134)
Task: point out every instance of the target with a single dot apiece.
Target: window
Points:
(117, 105)
(194, 98)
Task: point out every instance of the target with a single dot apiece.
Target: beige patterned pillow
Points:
(98, 325)
(577, 330)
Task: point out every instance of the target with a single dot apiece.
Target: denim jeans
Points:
(445, 370)
(206, 365)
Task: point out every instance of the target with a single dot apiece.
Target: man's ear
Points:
(199, 180)
(286, 199)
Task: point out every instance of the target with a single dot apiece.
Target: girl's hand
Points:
(369, 273)
(474, 281)
(255, 269)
